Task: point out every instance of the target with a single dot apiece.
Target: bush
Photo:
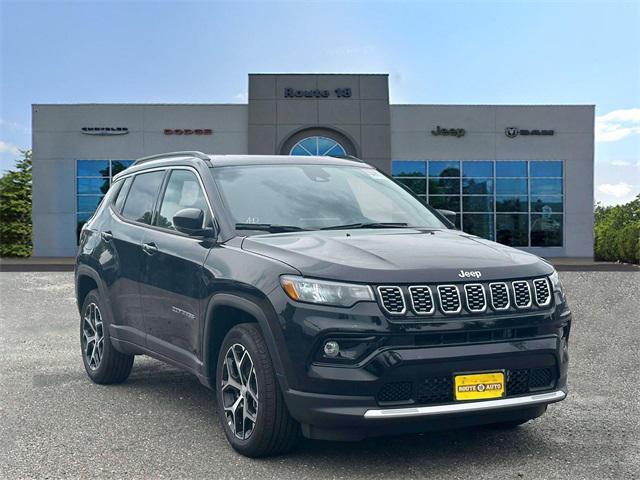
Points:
(617, 232)
(15, 209)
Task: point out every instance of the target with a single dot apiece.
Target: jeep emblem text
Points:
(470, 274)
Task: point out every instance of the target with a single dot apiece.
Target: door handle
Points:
(107, 236)
(149, 248)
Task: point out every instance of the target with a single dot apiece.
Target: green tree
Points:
(617, 232)
(15, 209)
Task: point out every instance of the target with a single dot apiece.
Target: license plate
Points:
(479, 386)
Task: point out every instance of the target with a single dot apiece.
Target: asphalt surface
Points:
(161, 423)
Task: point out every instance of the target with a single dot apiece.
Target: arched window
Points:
(318, 146)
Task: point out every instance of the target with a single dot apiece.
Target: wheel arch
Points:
(216, 328)
(87, 279)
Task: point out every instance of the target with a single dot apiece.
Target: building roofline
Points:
(324, 73)
(120, 104)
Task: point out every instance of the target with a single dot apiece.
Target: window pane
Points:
(512, 203)
(299, 151)
(444, 202)
(477, 186)
(93, 168)
(546, 186)
(92, 185)
(546, 169)
(477, 204)
(118, 166)
(183, 191)
(417, 185)
(546, 204)
(444, 169)
(440, 186)
(402, 168)
(511, 169)
(122, 194)
(512, 229)
(88, 203)
(142, 196)
(546, 230)
(477, 169)
(511, 185)
(479, 224)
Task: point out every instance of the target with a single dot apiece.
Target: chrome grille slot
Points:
(421, 300)
(476, 298)
(449, 299)
(521, 294)
(542, 292)
(499, 296)
(392, 300)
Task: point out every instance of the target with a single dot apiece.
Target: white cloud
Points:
(241, 97)
(9, 148)
(618, 190)
(618, 124)
(620, 163)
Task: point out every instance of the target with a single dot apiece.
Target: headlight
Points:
(556, 283)
(324, 292)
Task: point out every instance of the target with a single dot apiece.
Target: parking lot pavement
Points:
(161, 423)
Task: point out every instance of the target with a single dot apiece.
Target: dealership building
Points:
(518, 174)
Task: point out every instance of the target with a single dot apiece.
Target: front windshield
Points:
(310, 197)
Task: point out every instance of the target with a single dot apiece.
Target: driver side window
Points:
(183, 191)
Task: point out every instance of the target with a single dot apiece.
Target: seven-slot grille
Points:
(449, 298)
(522, 294)
(499, 296)
(392, 300)
(421, 300)
(478, 297)
(542, 292)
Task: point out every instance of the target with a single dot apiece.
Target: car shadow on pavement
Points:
(175, 389)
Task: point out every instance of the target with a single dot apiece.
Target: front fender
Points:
(261, 309)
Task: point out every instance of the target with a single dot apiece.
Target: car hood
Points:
(396, 255)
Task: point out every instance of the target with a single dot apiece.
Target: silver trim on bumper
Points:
(467, 407)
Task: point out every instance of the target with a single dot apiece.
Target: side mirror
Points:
(189, 221)
(449, 216)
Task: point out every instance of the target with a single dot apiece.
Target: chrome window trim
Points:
(452, 312)
(476, 406)
(404, 301)
(466, 297)
(549, 288)
(506, 287)
(433, 301)
(515, 297)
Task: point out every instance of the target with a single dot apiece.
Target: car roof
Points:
(228, 160)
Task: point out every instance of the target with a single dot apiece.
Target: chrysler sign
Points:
(105, 131)
(188, 131)
(316, 93)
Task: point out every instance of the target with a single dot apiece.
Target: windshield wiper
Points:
(367, 225)
(268, 227)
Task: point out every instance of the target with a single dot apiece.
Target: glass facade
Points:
(93, 179)
(514, 202)
(318, 146)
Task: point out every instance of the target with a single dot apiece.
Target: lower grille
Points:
(437, 390)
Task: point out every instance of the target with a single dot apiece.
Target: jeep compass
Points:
(318, 297)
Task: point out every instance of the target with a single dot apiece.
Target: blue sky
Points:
(450, 52)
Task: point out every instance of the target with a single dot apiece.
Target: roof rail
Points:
(348, 157)
(200, 155)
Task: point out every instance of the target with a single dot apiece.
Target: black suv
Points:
(315, 295)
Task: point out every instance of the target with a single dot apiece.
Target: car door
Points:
(130, 215)
(173, 271)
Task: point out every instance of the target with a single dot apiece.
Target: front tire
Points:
(103, 363)
(251, 407)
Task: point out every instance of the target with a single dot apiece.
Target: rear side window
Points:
(122, 194)
(183, 191)
(142, 196)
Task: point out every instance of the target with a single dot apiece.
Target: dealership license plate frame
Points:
(477, 378)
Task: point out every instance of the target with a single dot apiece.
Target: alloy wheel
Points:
(92, 336)
(239, 391)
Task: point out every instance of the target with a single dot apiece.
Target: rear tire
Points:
(103, 363)
(251, 408)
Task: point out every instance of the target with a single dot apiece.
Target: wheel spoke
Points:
(93, 336)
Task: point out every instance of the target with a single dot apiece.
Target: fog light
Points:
(331, 349)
